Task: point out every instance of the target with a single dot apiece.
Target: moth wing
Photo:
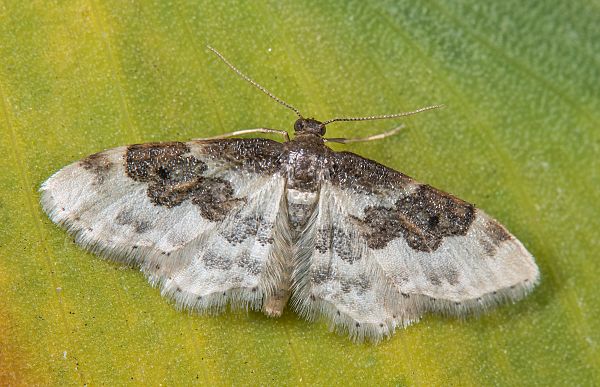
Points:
(199, 218)
(388, 249)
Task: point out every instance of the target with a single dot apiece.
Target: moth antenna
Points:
(383, 117)
(253, 83)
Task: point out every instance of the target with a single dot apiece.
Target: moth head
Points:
(309, 126)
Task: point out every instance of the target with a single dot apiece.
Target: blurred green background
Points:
(519, 138)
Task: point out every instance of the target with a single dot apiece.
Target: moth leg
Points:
(363, 139)
(246, 131)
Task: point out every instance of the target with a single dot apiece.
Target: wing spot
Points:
(405, 295)
(214, 261)
(434, 280)
(338, 240)
(312, 297)
(360, 284)
(434, 221)
(242, 228)
(162, 172)
(357, 325)
(321, 274)
(127, 216)
(250, 265)
(99, 165)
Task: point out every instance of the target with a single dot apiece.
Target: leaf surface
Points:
(519, 137)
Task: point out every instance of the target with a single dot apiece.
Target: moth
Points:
(257, 223)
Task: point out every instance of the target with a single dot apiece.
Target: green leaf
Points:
(519, 137)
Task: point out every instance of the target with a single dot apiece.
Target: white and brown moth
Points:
(255, 223)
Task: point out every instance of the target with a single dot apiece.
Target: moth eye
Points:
(323, 130)
(298, 125)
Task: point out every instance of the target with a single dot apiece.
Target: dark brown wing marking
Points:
(174, 175)
(256, 155)
(99, 165)
(351, 171)
(496, 234)
(423, 217)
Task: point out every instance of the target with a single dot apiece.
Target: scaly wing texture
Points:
(200, 218)
(389, 249)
